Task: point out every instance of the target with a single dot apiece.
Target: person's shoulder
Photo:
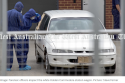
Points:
(18, 13)
(15, 12)
(9, 10)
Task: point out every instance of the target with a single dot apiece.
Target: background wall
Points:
(108, 14)
(69, 4)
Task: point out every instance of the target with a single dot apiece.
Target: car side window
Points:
(44, 23)
(37, 28)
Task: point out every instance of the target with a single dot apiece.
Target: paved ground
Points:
(38, 69)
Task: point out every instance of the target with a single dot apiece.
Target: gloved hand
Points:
(37, 15)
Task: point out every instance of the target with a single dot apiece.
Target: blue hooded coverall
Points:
(28, 23)
(15, 23)
(116, 14)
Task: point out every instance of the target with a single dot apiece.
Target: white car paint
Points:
(62, 59)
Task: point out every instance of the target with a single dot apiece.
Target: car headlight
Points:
(106, 50)
(61, 51)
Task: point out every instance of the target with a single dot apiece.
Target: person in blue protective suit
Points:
(15, 23)
(29, 17)
(116, 15)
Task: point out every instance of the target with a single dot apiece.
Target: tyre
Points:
(49, 69)
(110, 70)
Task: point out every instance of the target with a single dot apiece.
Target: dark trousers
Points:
(116, 23)
(21, 49)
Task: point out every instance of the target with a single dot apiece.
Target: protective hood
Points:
(30, 13)
(19, 6)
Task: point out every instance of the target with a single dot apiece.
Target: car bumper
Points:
(63, 60)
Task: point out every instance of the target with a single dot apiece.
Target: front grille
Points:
(89, 51)
(78, 51)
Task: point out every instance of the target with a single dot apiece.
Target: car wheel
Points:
(47, 65)
(110, 70)
(38, 57)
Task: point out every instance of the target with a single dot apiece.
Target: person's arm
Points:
(117, 3)
(23, 23)
(118, 8)
(37, 19)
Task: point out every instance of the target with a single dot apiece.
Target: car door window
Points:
(37, 28)
(44, 23)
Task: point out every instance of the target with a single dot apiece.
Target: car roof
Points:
(68, 13)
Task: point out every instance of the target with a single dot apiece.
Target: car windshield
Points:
(84, 23)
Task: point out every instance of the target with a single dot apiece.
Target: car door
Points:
(42, 26)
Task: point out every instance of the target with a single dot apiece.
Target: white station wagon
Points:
(72, 50)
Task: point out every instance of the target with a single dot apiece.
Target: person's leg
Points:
(26, 49)
(21, 57)
(10, 53)
(116, 24)
(19, 52)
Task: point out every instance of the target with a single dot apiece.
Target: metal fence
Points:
(0, 26)
(96, 68)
